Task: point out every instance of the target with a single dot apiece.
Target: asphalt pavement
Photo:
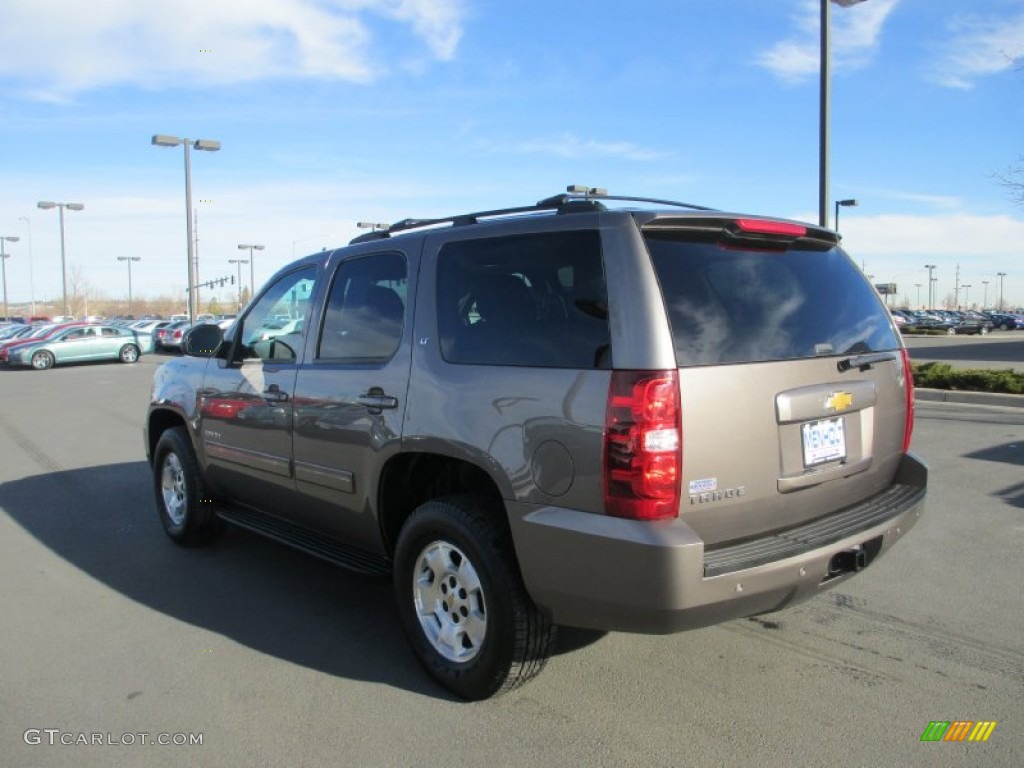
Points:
(114, 640)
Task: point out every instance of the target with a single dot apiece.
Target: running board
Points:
(350, 558)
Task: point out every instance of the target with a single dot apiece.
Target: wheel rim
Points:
(40, 361)
(449, 601)
(173, 488)
(129, 355)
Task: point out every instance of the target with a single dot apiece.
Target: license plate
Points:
(824, 441)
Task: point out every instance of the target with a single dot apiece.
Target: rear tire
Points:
(185, 510)
(462, 602)
(129, 353)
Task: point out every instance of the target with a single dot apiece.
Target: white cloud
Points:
(854, 37)
(54, 49)
(977, 48)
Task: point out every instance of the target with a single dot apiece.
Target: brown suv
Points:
(643, 418)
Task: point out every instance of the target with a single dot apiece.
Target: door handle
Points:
(274, 394)
(375, 399)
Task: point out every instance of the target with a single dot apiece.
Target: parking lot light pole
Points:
(239, 263)
(984, 301)
(47, 205)
(844, 204)
(129, 259)
(824, 108)
(3, 263)
(31, 279)
(1000, 275)
(206, 145)
(967, 295)
(931, 282)
(252, 262)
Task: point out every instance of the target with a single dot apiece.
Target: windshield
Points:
(736, 305)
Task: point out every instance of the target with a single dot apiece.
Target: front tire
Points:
(42, 360)
(185, 510)
(462, 602)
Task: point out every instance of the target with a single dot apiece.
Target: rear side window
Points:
(729, 305)
(365, 311)
(530, 300)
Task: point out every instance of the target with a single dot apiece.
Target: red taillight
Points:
(643, 446)
(908, 385)
(767, 227)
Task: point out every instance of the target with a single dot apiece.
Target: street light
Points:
(823, 112)
(984, 301)
(206, 145)
(918, 286)
(931, 284)
(3, 263)
(31, 279)
(1000, 275)
(239, 262)
(129, 259)
(47, 205)
(252, 263)
(845, 204)
(967, 295)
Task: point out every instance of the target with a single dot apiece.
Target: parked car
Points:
(170, 335)
(31, 334)
(1006, 321)
(594, 411)
(85, 343)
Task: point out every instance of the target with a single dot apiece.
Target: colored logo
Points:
(958, 730)
(840, 401)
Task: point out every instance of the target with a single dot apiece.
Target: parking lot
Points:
(275, 659)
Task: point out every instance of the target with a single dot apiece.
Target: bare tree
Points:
(1013, 179)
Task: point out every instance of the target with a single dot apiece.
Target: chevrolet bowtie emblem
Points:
(839, 401)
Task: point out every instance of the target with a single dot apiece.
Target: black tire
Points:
(129, 354)
(186, 512)
(42, 360)
(462, 602)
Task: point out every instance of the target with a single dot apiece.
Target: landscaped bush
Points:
(944, 376)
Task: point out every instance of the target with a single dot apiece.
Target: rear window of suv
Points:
(736, 305)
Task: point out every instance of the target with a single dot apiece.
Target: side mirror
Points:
(202, 340)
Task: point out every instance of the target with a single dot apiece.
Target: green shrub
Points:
(944, 376)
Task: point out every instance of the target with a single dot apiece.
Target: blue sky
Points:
(335, 111)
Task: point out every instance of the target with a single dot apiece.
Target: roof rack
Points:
(576, 198)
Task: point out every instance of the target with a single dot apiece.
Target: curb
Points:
(972, 398)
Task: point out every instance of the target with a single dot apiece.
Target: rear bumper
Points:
(606, 573)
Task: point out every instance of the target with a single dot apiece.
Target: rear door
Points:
(792, 376)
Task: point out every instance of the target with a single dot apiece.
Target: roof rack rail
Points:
(576, 198)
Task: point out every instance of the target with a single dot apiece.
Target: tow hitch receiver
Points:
(854, 559)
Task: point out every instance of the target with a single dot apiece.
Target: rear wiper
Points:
(864, 362)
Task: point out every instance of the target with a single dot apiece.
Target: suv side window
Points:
(263, 334)
(365, 311)
(528, 300)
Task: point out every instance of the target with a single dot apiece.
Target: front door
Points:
(246, 407)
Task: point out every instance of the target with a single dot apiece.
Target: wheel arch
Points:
(410, 479)
(158, 422)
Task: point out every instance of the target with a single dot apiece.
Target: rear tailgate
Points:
(785, 443)
(793, 381)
